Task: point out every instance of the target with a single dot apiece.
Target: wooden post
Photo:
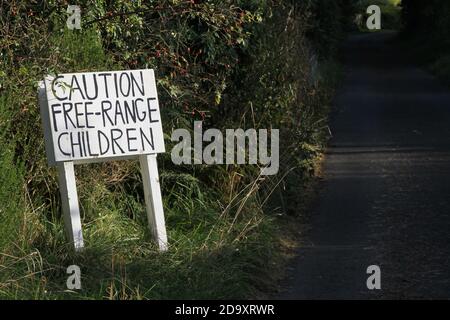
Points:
(70, 207)
(153, 199)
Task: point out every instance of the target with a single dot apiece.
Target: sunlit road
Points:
(385, 196)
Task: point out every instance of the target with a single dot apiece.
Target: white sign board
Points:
(101, 116)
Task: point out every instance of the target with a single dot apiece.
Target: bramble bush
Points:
(235, 63)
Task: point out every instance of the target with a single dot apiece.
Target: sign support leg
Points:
(153, 199)
(70, 207)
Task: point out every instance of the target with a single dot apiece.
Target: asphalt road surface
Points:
(385, 196)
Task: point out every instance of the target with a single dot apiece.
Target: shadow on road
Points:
(385, 198)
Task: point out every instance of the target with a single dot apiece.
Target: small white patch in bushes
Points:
(314, 75)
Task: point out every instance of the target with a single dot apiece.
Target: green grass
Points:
(212, 258)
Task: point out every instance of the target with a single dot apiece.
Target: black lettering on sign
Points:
(142, 116)
(92, 154)
(78, 115)
(94, 82)
(123, 84)
(116, 134)
(104, 114)
(115, 85)
(105, 75)
(67, 107)
(148, 139)
(130, 112)
(118, 112)
(101, 135)
(87, 114)
(54, 113)
(134, 82)
(59, 144)
(73, 88)
(150, 110)
(74, 143)
(130, 138)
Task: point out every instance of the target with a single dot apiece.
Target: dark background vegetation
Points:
(427, 27)
(234, 63)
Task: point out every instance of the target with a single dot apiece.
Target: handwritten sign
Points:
(101, 115)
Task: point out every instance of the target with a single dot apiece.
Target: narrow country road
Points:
(385, 195)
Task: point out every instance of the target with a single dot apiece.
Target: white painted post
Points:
(153, 199)
(69, 199)
(58, 135)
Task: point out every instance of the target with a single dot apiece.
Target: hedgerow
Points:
(236, 63)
